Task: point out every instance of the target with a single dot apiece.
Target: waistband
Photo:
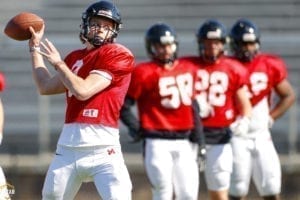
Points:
(166, 134)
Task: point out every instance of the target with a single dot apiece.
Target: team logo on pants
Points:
(110, 151)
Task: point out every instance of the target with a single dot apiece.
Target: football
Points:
(17, 27)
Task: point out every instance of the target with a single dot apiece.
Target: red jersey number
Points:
(176, 90)
(259, 82)
(75, 68)
(212, 87)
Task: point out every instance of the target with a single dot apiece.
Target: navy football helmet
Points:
(104, 9)
(244, 31)
(161, 33)
(211, 30)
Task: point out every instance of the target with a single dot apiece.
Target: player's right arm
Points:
(46, 83)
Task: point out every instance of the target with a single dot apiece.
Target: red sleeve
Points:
(116, 60)
(136, 85)
(240, 74)
(278, 69)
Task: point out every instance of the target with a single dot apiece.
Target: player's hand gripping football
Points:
(36, 38)
(50, 52)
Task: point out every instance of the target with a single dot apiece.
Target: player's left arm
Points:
(287, 97)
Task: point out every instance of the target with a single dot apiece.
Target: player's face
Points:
(164, 51)
(249, 46)
(100, 27)
(212, 47)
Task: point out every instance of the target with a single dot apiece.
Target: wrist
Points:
(58, 64)
(34, 48)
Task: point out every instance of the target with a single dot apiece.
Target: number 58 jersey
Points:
(164, 96)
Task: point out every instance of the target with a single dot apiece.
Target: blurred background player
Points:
(163, 89)
(254, 153)
(220, 83)
(3, 184)
(95, 80)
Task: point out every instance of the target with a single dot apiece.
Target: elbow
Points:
(42, 91)
(82, 96)
(291, 97)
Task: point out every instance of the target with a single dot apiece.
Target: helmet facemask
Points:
(210, 57)
(97, 40)
(242, 53)
(158, 55)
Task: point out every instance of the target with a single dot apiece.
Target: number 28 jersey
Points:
(163, 96)
(217, 84)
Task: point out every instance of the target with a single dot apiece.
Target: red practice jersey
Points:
(265, 72)
(217, 84)
(164, 97)
(103, 108)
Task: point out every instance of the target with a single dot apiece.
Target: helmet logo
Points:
(249, 37)
(217, 34)
(167, 39)
(105, 12)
